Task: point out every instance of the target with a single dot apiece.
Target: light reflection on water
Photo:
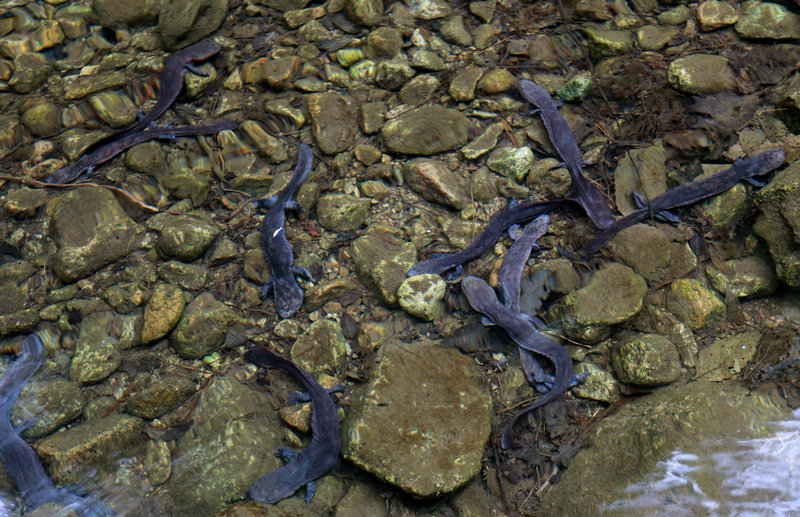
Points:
(742, 478)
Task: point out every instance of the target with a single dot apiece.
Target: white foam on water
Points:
(742, 478)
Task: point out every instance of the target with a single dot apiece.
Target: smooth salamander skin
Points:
(508, 278)
(319, 456)
(694, 191)
(287, 292)
(170, 85)
(589, 196)
(102, 154)
(483, 299)
(19, 459)
(499, 223)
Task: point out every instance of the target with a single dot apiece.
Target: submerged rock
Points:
(320, 347)
(422, 420)
(746, 277)
(72, 454)
(426, 131)
(614, 294)
(646, 360)
(47, 406)
(219, 448)
(160, 396)
(626, 445)
(339, 212)
(694, 304)
(202, 327)
(163, 311)
(91, 230)
(434, 181)
(421, 296)
(382, 263)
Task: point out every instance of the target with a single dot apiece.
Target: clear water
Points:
(742, 478)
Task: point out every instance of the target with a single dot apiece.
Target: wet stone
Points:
(454, 31)
(382, 263)
(367, 154)
(497, 81)
(202, 327)
(340, 212)
(576, 89)
(726, 357)
(484, 36)
(365, 12)
(654, 37)
(24, 202)
(183, 22)
(414, 413)
(125, 296)
(484, 143)
(426, 131)
(429, 9)
(768, 20)
(511, 162)
(393, 74)
(42, 119)
(160, 396)
(188, 182)
(675, 16)
(747, 277)
(418, 89)
(228, 420)
(90, 229)
(434, 181)
(187, 276)
(184, 237)
(80, 86)
(364, 70)
(47, 406)
(94, 360)
(384, 42)
(701, 74)
(604, 43)
(162, 313)
(645, 360)
(147, 158)
(483, 9)
(713, 14)
(693, 304)
(71, 454)
(30, 70)
(19, 321)
(652, 254)
(372, 117)
(269, 146)
(668, 420)
(333, 120)
(113, 14)
(462, 87)
(320, 348)
(643, 170)
(425, 60)
(614, 294)
(549, 180)
(598, 385)
(114, 108)
(275, 73)
(421, 296)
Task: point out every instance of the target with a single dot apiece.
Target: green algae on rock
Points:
(202, 327)
(694, 304)
(421, 296)
(320, 347)
(160, 396)
(645, 360)
(382, 262)
(421, 421)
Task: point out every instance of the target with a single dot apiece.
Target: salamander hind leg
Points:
(302, 272)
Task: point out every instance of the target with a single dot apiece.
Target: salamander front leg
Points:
(303, 396)
(267, 288)
(311, 489)
(302, 272)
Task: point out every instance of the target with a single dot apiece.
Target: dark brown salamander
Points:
(318, 457)
(19, 459)
(588, 195)
(170, 85)
(694, 191)
(283, 283)
(483, 299)
(87, 162)
(499, 223)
